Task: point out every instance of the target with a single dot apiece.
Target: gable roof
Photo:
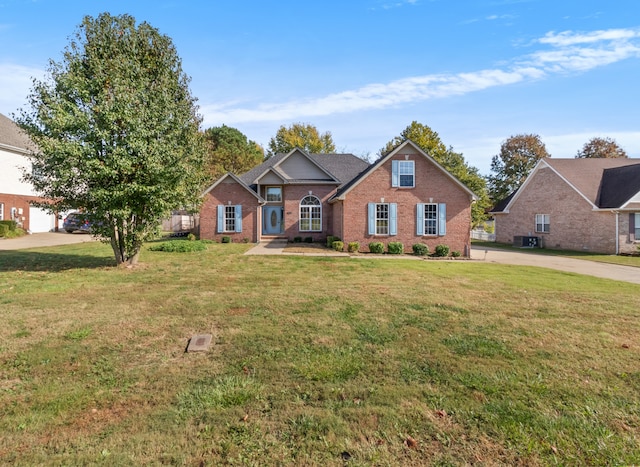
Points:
(237, 180)
(603, 182)
(619, 185)
(12, 138)
(339, 168)
(342, 191)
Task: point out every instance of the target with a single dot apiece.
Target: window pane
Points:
(274, 193)
(382, 219)
(311, 214)
(230, 218)
(431, 219)
(406, 172)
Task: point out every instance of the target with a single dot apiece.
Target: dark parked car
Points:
(76, 221)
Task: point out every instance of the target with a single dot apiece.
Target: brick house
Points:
(16, 195)
(576, 204)
(405, 196)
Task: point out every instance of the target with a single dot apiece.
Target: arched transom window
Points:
(310, 214)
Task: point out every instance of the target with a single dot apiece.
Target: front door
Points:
(272, 220)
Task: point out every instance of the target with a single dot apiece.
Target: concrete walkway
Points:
(278, 247)
(37, 240)
(591, 268)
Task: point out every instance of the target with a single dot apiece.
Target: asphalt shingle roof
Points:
(607, 183)
(12, 135)
(343, 167)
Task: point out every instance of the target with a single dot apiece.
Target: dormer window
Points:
(274, 194)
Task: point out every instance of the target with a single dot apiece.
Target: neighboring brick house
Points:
(16, 195)
(576, 204)
(405, 196)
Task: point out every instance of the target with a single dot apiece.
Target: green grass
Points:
(623, 260)
(312, 358)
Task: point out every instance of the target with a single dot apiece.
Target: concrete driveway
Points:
(44, 239)
(578, 266)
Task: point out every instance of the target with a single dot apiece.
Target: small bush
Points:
(338, 245)
(376, 247)
(455, 254)
(3, 230)
(11, 225)
(308, 239)
(297, 239)
(420, 249)
(226, 239)
(441, 250)
(330, 240)
(15, 233)
(179, 246)
(191, 237)
(353, 247)
(395, 248)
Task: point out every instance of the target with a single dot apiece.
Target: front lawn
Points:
(314, 361)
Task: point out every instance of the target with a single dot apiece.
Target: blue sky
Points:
(475, 71)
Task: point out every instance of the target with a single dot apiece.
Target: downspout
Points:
(617, 232)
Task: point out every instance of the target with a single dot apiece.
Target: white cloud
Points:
(15, 82)
(569, 52)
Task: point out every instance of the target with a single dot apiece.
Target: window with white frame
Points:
(637, 225)
(431, 219)
(382, 219)
(542, 223)
(274, 194)
(1, 211)
(229, 218)
(310, 214)
(403, 174)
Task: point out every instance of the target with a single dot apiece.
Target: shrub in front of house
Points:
(8, 226)
(330, 240)
(308, 239)
(376, 247)
(441, 250)
(297, 239)
(338, 245)
(456, 254)
(225, 239)
(191, 237)
(395, 248)
(353, 247)
(179, 246)
(420, 249)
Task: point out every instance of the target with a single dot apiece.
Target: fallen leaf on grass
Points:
(411, 443)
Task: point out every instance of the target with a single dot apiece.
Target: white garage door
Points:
(40, 220)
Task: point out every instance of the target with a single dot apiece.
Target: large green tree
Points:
(518, 156)
(229, 150)
(303, 136)
(429, 141)
(117, 131)
(601, 148)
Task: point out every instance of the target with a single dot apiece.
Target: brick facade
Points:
(225, 193)
(574, 224)
(347, 216)
(19, 202)
(431, 185)
(292, 195)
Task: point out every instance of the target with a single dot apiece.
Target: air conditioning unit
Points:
(527, 241)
